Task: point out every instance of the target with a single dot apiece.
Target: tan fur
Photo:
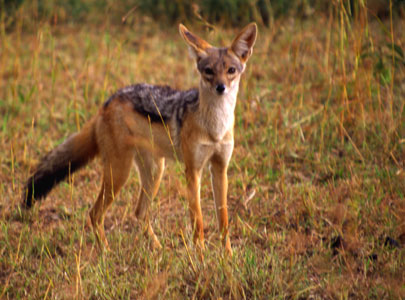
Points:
(121, 135)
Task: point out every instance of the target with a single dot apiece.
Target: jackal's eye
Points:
(231, 70)
(209, 71)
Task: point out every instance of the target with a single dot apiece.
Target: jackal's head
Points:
(221, 68)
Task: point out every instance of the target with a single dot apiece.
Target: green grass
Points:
(319, 158)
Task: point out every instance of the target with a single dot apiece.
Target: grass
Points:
(317, 180)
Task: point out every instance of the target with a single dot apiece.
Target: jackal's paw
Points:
(152, 238)
(102, 242)
(103, 245)
(228, 251)
(156, 245)
(228, 248)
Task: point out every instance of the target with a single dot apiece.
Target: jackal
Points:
(149, 124)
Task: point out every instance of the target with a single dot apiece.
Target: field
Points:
(316, 182)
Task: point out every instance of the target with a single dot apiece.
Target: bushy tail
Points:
(68, 157)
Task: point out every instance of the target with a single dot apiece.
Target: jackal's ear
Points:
(198, 46)
(242, 45)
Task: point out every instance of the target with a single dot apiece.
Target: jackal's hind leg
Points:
(150, 173)
(116, 172)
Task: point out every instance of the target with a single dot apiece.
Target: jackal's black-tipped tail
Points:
(65, 159)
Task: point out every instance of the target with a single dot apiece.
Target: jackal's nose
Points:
(220, 88)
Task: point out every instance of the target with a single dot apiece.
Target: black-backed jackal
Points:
(149, 124)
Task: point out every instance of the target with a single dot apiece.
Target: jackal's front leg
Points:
(193, 177)
(219, 180)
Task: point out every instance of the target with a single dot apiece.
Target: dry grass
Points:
(317, 179)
